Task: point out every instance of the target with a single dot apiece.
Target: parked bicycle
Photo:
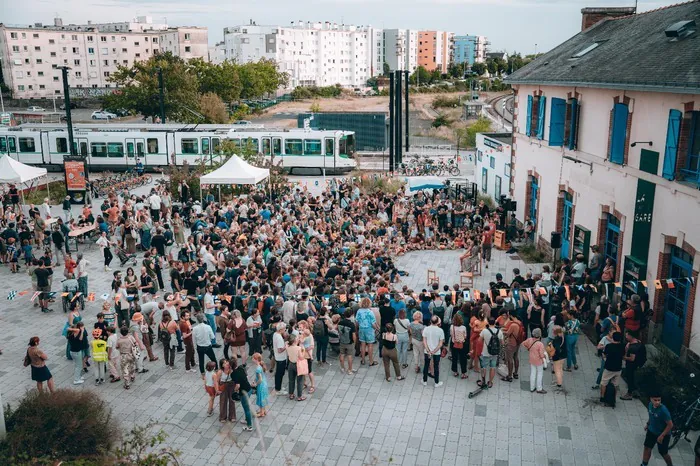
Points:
(683, 421)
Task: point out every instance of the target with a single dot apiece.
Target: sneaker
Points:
(438, 385)
(425, 384)
(180, 351)
(218, 346)
(342, 370)
(78, 382)
(248, 429)
(107, 269)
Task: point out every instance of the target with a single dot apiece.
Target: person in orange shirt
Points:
(112, 215)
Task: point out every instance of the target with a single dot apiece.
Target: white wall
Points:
(501, 158)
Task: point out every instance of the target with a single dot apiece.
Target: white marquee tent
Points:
(235, 171)
(14, 172)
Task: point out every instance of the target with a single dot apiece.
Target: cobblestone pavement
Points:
(358, 419)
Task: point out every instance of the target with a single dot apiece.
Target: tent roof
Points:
(417, 183)
(235, 171)
(12, 171)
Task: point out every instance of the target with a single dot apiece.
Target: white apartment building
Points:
(32, 57)
(320, 54)
(401, 49)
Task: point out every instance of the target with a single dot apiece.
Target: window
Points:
(26, 145)
(15, 48)
(105, 62)
(506, 170)
(190, 146)
(93, 74)
(693, 163)
(51, 41)
(330, 147)
(78, 74)
(557, 122)
(534, 124)
(76, 62)
(40, 73)
(91, 50)
(618, 134)
(24, 35)
(136, 44)
(250, 144)
(266, 147)
(53, 54)
(484, 179)
(106, 74)
(103, 39)
(39, 61)
(497, 188)
(76, 50)
(215, 143)
(98, 149)
(590, 48)
(93, 63)
(155, 40)
(18, 62)
(90, 38)
(205, 145)
(123, 38)
(42, 86)
(37, 49)
(673, 132)
(492, 162)
(123, 50)
(104, 51)
(62, 145)
(312, 147)
(612, 239)
(13, 35)
(573, 109)
(55, 78)
(293, 147)
(20, 87)
(187, 36)
(115, 149)
(138, 55)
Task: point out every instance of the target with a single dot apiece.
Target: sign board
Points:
(643, 217)
(493, 144)
(76, 182)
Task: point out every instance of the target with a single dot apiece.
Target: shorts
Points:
(610, 376)
(651, 439)
(488, 361)
(210, 390)
(347, 349)
(366, 335)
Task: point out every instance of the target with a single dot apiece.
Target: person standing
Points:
(401, 324)
(76, 341)
(203, 337)
(295, 353)
(415, 330)
(186, 330)
(37, 360)
(613, 354)
(389, 354)
(242, 387)
(347, 335)
(491, 349)
(99, 355)
(433, 339)
(82, 273)
(113, 355)
(227, 407)
(657, 429)
(559, 357)
(43, 284)
(136, 331)
(538, 360)
(167, 331)
(67, 210)
(635, 357)
(458, 344)
(279, 347)
(573, 329)
(367, 325)
(154, 201)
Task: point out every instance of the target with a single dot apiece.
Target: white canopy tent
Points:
(14, 172)
(234, 171)
(419, 183)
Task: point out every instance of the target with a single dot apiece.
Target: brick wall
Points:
(682, 157)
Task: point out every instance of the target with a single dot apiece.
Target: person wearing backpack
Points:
(347, 335)
(559, 344)
(513, 337)
(492, 340)
(573, 329)
(635, 357)
(320, 332)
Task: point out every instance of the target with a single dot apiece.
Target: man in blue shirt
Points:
(397, 303)
(658, 429)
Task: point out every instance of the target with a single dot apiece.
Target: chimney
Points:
(593, 15)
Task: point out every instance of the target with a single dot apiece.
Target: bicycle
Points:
(683, 422)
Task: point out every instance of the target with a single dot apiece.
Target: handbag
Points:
(27, 359)
(302, 363)
(456, 344)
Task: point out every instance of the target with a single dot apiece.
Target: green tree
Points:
(456, 70)
(140, 91)
(222, 79)
(260, 78)
(435, 75)
(213, 108)
(481, 125)
(479, 68)
(491, 66)
(420, 76)
(386, 69)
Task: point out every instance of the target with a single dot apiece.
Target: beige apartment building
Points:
(435, 50)
(31, 57)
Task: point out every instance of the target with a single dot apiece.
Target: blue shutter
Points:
(556, 122)
(540, 117)
(528, 122)
(573, 128)
(619, 134)
(672, 135)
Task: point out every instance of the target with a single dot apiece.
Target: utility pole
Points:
(161, 89)
(69, 120)
(407, 112)
(397, 94)
(392, 122)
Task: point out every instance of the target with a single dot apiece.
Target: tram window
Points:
(62, 145)
(215, 143)
(205, 146)
(98, 149)
(293, 147)
(235, 144)
(251, 145)
(3, 145)
(266, 147)
(12, 144)
(277, 146)
(130, 150)
(26, 145)
(139, 149)
(115, 149)
(312, 147)
(152, 145)
(190, 146)
(330, 146)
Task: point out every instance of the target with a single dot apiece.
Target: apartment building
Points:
(401, 49)
(312, 53)
(606, 152)
(435, 50)
(469, 49)
(32, 56)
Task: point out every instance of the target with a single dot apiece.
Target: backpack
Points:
(439, 310)
(252, 304)
(520, 335)
(163, 334)
(319, 328)
(345, 334)
(614, 324)
(641, 357)
(646, 317)
(494, 345)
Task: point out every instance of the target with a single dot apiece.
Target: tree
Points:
(479, 68)
(491, 66)
(386, 69)
(222, 79)
(213, 108)
(420, 76)
(456, 70)
(139, 90)
(435, 75)
(481, 125)
(260, 78)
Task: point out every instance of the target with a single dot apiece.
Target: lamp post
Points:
(161, 91)
(69, 120)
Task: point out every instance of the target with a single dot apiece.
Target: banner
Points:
(75, 176)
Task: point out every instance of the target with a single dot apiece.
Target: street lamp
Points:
(66, 100)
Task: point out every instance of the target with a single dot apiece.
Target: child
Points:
(102, 326)
(260, 384)
(12, 254)
(99, 355)
(210, 386)
(108, 314)
(27, 250)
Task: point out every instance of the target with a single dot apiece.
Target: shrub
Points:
(37, 196)
(67, 424)
(441, 120)
(445, 102)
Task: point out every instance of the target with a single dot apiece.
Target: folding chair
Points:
(466, 280)
(432, 277)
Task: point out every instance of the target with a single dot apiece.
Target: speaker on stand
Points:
(555, 242)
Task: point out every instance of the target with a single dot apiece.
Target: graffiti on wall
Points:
(91, 92)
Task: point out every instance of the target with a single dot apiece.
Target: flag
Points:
(63, 295)
(657, 284)
(22, 293)
(91, 296)
(542, 291)
(11, 295)
(343, 298)
(76, 296)
(670, 284)
(618, 285)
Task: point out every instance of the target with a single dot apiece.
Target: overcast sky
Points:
(509, 24)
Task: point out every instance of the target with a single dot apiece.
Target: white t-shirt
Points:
(209, 307)
(277, 344)
(112, 343)
(432, 336)
(154, 202)
(486, 335)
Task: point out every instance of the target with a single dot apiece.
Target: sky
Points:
(525, 26)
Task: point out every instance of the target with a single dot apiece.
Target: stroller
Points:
(125, 257)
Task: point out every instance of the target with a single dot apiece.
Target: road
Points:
(79, 115)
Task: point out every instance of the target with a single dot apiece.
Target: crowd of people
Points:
(280, 279)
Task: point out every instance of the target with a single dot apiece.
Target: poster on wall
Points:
(76, 182)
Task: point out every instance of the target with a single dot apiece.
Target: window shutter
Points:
(556, 122)
(619, 134)
(528, 122)
(540, 117)
(672, 138)
(573, 128)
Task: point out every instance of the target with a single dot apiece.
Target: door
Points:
(484, 180)
(206, 150)
(12, 146)
(676, 307)
(82, 147)
(534, 192)
(3, 145)
(266, 147)
(566, 226)
(612, 239)
(135, 151)
(277, 147)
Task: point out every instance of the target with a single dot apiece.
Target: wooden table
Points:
(81, 232)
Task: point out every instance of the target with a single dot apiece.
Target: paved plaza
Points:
(358, 419)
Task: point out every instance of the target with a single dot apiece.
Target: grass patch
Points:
(58, 194)
(531, 255)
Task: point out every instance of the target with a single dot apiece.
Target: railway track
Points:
(500, 109)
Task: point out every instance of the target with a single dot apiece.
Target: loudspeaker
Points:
(555, 240)
(513, 206)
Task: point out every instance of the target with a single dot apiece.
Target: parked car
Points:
(242, 122)
(35, 108)
(102, 115)
(72, 105)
